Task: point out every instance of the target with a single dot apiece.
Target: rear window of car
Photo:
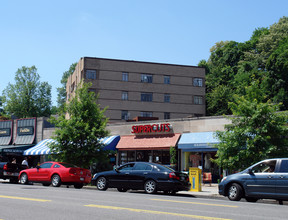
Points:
(284, 166)
(67, 165)
(142, 166)
(163, 168)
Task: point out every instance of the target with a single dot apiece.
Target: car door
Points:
(43, 172)
(261, 180)
(121, 176)
(282, 180)
(140, 172)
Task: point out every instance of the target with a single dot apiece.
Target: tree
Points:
(233, 66)
(28, 97)
(78, 137)
(61, 97)
(256, 132)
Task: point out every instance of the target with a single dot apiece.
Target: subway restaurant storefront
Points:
(149, 142)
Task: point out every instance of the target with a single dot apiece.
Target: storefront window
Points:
(155, 156)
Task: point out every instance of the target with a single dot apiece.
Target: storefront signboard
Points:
(5, 132)
(154, 128)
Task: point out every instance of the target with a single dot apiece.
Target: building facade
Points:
(133, 89)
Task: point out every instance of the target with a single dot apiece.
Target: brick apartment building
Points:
(134, 89)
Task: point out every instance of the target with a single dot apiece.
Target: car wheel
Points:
(150, 186)
(251, 199)
(46, 184)
(56, 180)
(78, 186)
(235, 192)
(24, 178)
(122, 189)
(101, 183)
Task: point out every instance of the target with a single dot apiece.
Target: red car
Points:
(56, 173)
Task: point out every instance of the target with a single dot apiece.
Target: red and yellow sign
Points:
(155, 128)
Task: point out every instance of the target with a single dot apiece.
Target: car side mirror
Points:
(116, 169)
(250, 172)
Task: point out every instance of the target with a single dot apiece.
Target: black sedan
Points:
(150, 177)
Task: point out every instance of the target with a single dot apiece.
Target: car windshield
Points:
(67, 165)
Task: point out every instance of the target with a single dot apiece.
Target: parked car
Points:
(267, 179)
(10, 171)
(146, 176)
(56, 173)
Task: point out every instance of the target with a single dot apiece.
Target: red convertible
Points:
(56, 173)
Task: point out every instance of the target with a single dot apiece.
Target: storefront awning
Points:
(14, 149)
(110, 142)
(148, 142)
(42, 148)
(198, 142)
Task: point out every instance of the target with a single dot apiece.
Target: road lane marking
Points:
(156, 212)
(23, 198)
(196, 203)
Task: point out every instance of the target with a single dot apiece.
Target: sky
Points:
(54, 34)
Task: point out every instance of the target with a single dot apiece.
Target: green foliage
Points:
(234, 66)
(61, 97)
(173, 155)
(257, 132)
(28, 97)
(78, 133)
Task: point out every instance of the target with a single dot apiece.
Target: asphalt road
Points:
(39, 202)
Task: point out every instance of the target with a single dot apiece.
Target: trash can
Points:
(195, 175)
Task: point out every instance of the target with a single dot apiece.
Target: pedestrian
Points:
(25, 162)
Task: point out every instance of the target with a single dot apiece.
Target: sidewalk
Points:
(206, 191)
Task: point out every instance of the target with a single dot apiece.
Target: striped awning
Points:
(42, 148)
(110, 142)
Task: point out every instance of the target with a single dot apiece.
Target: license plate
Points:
(5, 173)
(82, 179)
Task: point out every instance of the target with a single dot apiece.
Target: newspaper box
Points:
(195, 174)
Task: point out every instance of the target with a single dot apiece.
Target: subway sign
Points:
(25, 131)
(5, 132)
(154, 128)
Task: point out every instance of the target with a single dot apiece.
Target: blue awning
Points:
(110, 142)
(198, 142)
(42, 148)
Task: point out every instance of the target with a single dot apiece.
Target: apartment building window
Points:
(166, 97)
(198, 100)
(166, 79)
(124, 95)
(198, 82)
(146, 97)
(124, 115)
(124, 76)
(146, 114)
(90, 74)
(166, 115)
(146, 78)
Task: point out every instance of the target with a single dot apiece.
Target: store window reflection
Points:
(155, 156)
